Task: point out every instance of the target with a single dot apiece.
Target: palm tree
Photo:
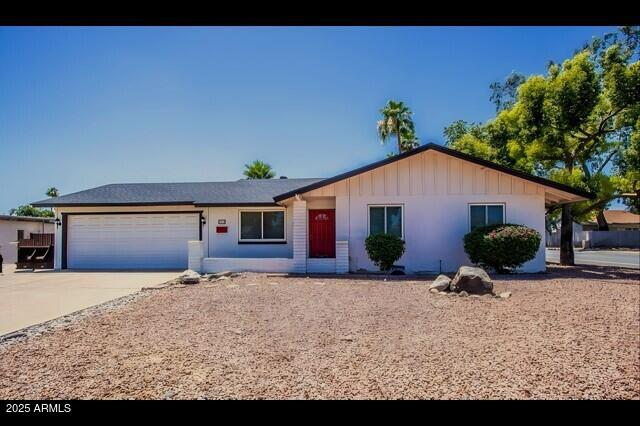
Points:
(396, 120)
(409, 138)
(258, 170)
(52, 192)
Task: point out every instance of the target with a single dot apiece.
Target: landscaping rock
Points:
(472, 280)
(190, 277)
(10, 336)
(221, 274)
(505, 295)
(463, 294)
(434, 290)
(441, 283)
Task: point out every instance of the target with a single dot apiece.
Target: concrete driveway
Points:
(620, 258)
(29, 298)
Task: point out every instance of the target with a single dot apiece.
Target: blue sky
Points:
(83, 107)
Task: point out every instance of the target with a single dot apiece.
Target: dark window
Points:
(483, 215)
(250, 226)
(262, 225)
(20, 234)
(376, 220)
(385, 220)
(273, 225)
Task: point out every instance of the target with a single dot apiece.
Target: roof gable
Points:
(441, 150)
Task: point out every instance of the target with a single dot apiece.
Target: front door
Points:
(322, 233)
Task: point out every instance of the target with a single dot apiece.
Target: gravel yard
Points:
(571, 333)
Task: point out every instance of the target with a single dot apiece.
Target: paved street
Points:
(626, 259)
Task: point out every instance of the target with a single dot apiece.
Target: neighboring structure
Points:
(430, 196)
(13, 228)
(618, 220)
(624, 232)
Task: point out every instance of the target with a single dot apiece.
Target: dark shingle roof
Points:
(254, 192)
(241, 192)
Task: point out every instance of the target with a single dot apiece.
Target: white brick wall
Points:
(342, 257)
(238, 264)
(321, 266)
(196, 253)
(300, 236)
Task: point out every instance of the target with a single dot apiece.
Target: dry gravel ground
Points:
(572, 333)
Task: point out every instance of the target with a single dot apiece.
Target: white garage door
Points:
(130, 241)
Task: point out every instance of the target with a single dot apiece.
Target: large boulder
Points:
(441, 283)
(472, 280)
(190, 277)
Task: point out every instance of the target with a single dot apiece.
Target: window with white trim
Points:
(386, 219)
(485, 214)
(262, 225)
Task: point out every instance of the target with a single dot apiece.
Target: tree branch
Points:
(602, 166)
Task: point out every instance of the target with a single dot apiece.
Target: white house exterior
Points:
(430, 196)
(12, 227)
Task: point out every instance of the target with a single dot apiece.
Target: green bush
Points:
(502, 247)
(384, 250)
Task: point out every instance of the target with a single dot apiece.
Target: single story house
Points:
(430, 196)
(618, 220)
(14, 228)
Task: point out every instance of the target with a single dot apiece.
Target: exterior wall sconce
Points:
(203, 221)
(58, 222)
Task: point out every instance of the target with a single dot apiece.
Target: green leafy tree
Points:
(627, 171)
(52, 192)
(29, 210)
(397, 122)
(570, 125)
(576, 118)
(503, 95)
(258, 170)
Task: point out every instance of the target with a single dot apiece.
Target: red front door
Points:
(322, 233)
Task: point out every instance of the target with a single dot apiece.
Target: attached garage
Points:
(129, 240)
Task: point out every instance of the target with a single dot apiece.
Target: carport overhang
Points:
(554, 197)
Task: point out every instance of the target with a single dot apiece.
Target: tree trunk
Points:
(602, 221)
(399, 140)
(566, 236)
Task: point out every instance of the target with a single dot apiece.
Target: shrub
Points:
(502, 247)
(384, 250)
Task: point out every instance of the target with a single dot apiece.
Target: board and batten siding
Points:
(435, 191)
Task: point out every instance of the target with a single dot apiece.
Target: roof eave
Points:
(238, 204)
(130, 204)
